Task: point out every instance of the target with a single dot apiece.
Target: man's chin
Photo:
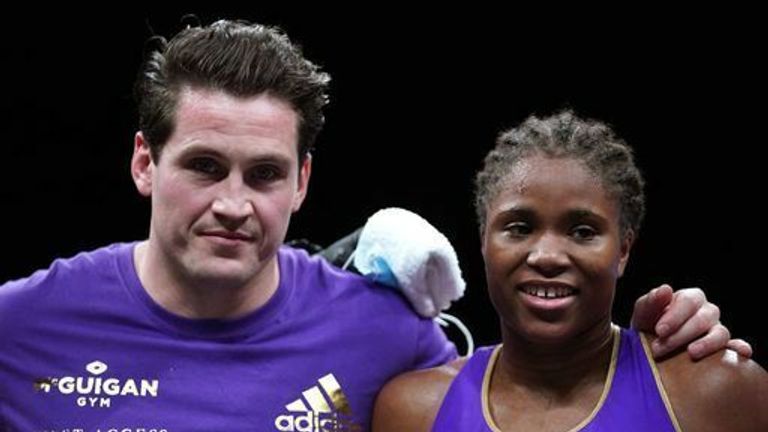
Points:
(226, 272)
(220, 279)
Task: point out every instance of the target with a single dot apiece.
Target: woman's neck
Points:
(557, 366)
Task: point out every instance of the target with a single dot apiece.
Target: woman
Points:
(560, 202)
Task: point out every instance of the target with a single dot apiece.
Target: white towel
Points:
(400, 248)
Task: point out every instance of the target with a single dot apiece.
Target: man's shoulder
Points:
(328, 281)
(322, 290)
(88, 263)
(67, 286)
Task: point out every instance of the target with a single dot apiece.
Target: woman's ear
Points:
(628, 239)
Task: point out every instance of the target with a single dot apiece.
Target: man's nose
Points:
(233, 200)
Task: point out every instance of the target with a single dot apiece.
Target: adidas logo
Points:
(321, 408)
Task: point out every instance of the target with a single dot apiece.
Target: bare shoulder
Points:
(410, 402)
(723, 391)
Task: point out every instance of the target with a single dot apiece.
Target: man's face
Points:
(224, 187)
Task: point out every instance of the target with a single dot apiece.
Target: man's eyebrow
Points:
(202, 150)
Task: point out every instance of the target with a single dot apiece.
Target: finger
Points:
(686, 304)
(742, 347)
(703, 322)
(650, 307)
(715, 340)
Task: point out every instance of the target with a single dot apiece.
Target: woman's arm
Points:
(410, 402)
(723, 391)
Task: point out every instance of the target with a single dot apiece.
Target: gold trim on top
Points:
(485, 393)
(659, 383)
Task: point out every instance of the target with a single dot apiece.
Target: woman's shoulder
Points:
(411, 401)
(722, 391)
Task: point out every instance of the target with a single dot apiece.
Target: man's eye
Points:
(206, 166)
(265, 174)
(583, 232)
(518, 229)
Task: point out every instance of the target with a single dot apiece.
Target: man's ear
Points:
(628, 239)
(142, 165)
(305, 171)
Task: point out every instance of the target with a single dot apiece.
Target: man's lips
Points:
(228, 235)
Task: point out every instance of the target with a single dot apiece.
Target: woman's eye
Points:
(517, 229)
(583, 232)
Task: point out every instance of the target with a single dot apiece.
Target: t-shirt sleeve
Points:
(433, 347)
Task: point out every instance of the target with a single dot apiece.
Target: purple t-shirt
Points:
(633, 400)
(84, 348)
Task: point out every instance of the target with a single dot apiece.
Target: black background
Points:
(417, 99)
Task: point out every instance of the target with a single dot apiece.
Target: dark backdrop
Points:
(417, 99)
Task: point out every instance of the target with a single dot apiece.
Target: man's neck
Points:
(202, 298)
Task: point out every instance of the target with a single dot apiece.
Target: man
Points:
(210, 324)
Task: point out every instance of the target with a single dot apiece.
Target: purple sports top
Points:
(83, 348)
(633, 398)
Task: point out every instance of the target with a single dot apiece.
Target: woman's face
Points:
(553, 249)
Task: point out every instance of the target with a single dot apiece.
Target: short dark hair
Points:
(237, 57)
(564, 135)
